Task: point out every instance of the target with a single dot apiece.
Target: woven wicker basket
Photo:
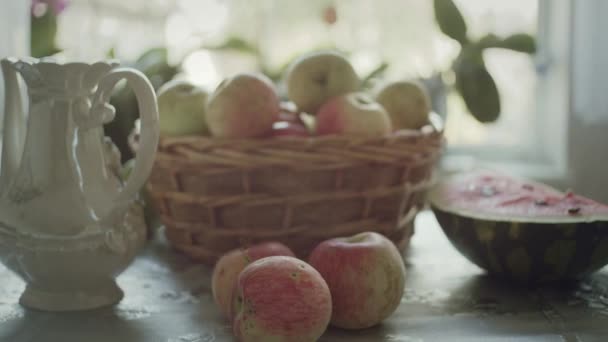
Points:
(214, 195)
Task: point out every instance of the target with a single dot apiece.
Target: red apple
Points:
(228, 267)
(243, 106)
(287, 128)
(366, 276)
(289, 117)
(353, 113)
(281, 299)
(289, 113)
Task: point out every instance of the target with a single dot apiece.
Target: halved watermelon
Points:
(522, 230)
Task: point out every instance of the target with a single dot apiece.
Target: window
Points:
(14, 30)
(538, 116)
(529, 135)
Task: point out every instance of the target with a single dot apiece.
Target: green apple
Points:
(316, 77)
(407, 103)
(181, 107)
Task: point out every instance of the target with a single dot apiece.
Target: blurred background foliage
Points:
(465, 73)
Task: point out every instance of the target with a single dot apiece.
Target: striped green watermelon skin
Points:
(528, 252)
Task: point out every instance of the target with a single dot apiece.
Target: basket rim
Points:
(435, 127)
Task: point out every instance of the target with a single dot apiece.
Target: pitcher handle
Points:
(13, 124)
(148, 113)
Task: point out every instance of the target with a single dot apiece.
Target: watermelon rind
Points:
(525, 249)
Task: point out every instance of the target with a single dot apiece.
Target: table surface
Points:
(167, 299)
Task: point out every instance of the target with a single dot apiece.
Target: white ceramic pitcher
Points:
(68, 224)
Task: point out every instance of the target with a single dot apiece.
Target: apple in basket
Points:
(228, 267)
(289, 123)
(181, 108)
(289, 112)
(281, 299)
(314, 78)
(353, 113)
(366, 276)
(407, 103)
(243, 106)
(289, 129)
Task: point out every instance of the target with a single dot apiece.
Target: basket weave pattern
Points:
(214, 195)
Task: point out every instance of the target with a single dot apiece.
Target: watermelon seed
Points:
(574, 210)
(528, 187)
(541, 202)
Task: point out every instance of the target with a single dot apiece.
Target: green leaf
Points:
(274, 74)
(521, 42)
(450, 20)
(111, 53)
(478, 90)
(153, 63)
(379, 71)
(43, 31)
(126, 113)
(234, 44)
(488, 41)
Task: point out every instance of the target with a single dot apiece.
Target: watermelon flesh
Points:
(493, 196)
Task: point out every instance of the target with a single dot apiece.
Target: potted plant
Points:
(472, 80)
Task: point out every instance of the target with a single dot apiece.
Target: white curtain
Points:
(588, 126)
(14, 34)
(14, 28)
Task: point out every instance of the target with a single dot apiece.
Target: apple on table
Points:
(230, 265)
(366, 277)
(281, 299)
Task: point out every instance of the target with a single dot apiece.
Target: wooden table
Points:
(167, 299)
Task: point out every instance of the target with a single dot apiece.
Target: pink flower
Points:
(330, 15)
(40, 7)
